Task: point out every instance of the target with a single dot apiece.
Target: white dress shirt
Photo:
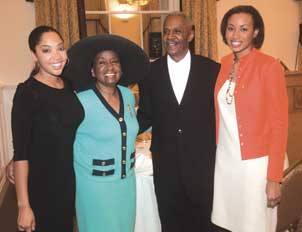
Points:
(179, 74)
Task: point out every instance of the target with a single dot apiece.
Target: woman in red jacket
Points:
(251, 120)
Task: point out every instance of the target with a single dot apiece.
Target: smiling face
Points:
(107, 68)
(240, 33)
(50, 54)
(176, 36)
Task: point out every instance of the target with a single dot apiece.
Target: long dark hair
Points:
(34, 39)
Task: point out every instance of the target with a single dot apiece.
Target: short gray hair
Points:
(187, 19)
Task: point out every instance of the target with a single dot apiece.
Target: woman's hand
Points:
(273, 193)
(26, 219)
(10, 175)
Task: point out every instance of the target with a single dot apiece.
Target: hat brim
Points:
(134, 61)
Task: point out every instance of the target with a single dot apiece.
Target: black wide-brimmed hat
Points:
(134, 61)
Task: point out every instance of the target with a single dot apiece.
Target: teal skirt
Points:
(105, 206)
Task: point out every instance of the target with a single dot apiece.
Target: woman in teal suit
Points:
(105, 140)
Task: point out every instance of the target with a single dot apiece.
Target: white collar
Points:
(179, 74)
(184, 61)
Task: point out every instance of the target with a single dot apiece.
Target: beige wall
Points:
(281, 18)
(129, 28)
(17, 19)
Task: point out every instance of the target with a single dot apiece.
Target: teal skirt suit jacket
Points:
(104, 163)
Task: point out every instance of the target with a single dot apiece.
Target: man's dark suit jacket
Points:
(183, 135)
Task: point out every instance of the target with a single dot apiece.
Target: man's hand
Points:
(273, 193)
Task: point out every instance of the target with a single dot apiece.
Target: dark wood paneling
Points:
(82, 19)
(294, 91)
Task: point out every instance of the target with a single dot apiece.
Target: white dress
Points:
(239, 189)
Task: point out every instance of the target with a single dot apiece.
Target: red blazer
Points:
(261, 108)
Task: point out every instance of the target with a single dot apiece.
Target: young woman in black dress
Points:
(45, 116)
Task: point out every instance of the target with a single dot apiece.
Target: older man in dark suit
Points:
(177, 101)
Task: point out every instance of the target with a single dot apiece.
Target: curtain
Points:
(203, 14)
(60, 14)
